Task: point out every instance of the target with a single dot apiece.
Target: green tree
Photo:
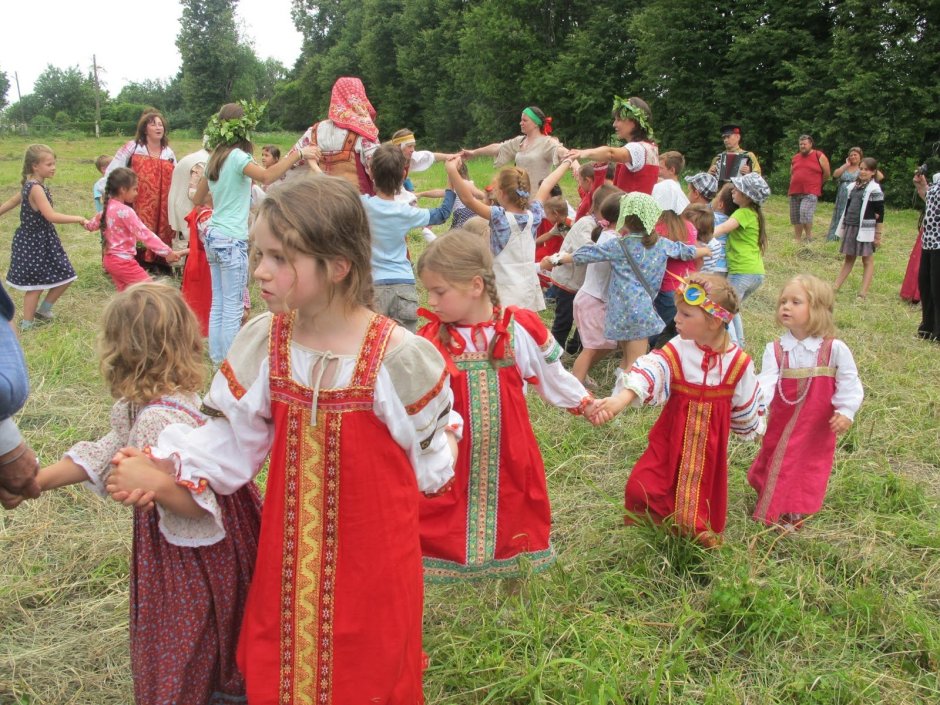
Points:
(209, 49)
(4, 87)
(67, 91)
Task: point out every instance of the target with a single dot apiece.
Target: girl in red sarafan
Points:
(709, 389)
(498, 511)
(810, 381)
(353, 411)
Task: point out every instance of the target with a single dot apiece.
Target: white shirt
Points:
(802, 353)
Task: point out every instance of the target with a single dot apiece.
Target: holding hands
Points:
(18, 470)
(138, 477)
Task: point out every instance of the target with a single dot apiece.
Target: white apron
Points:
(517, 279)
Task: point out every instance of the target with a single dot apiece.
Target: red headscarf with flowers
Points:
(350, 108)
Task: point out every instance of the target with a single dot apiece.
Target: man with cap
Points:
(809, 170)
(734, 161)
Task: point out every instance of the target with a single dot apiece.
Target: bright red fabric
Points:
(197, 280)
(683, 473)
(792, 469)
(334, 612)
(153, 182)
(350, 108)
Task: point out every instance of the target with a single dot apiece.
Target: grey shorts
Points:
(802, 208)
(399, 302)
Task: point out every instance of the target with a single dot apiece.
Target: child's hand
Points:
(173, 257)
(609, 407)
(137, 478)
(311, 153)
(839, 424)
(546, 264)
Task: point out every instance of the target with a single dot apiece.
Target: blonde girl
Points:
(638, 264)
(228, 178)
(810, 383)
(491, 353)
(190, 567)
(709, 389)
(352, 411)
(38, 261)
(513, 229)
(747, 240)
(121, 229)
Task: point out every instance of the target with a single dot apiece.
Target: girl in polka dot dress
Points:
(38, 262)
(190, 566)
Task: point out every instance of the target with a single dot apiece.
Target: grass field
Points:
(846, 611)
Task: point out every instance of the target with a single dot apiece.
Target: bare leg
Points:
(846, 270)
(798, 234)
(585, 361)
(30, 302)
(56, 292)
(632, 349)
(868, 273)
(808, 231)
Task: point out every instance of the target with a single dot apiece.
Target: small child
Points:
(270, 155)
(38, 261)
(810, 383)
(121, 230)
(638, 264)
(747, 240)
(590, 303)
(702, 188)
(190, 565)
(703, 219)
(549, 242)
(673, 227)
(353, 413)
(389, 221)
(97, 191)
(514, 224)
(667, 191)
(498, 511)
(709, 388)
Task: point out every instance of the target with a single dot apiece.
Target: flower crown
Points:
(219, 132)
(627, 110)
(695, 293)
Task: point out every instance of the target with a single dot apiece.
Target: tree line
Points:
(458, 72)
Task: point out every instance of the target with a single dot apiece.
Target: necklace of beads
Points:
(803, 393)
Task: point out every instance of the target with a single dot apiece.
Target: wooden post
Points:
(94, 64)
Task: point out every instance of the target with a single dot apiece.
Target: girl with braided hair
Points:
(121, 229)
(514, 224)
(498, 510)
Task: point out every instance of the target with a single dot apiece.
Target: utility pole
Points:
(19, 98)
(94, 64)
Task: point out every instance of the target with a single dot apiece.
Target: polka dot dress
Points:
(38, 260)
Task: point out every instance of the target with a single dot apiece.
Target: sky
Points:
(128, 47)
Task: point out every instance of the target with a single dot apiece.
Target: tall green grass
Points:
(846, 611)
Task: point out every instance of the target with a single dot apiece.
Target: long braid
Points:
(489, 282)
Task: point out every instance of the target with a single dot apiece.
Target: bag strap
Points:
(636, 269)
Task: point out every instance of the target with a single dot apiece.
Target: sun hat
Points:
(753, 186)
(705, 183)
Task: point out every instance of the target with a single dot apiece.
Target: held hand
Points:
(173, 257)
(573, 154)
(920, 179)
(839, 424)
(8, 500)
(610, 406)
(311, 153)
(464, 154)
(18, 474)
(546, 264)
(139, 499)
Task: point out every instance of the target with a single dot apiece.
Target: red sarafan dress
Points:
(792, 470)
(498, 510)
(196, 287)
(334, 612)
(153, 178)
(683, 473)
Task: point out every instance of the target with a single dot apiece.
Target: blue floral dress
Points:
(38, 260)
(630, 312)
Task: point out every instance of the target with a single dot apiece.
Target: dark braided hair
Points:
(120, 178)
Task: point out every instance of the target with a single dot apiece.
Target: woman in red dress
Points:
(151, 158)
